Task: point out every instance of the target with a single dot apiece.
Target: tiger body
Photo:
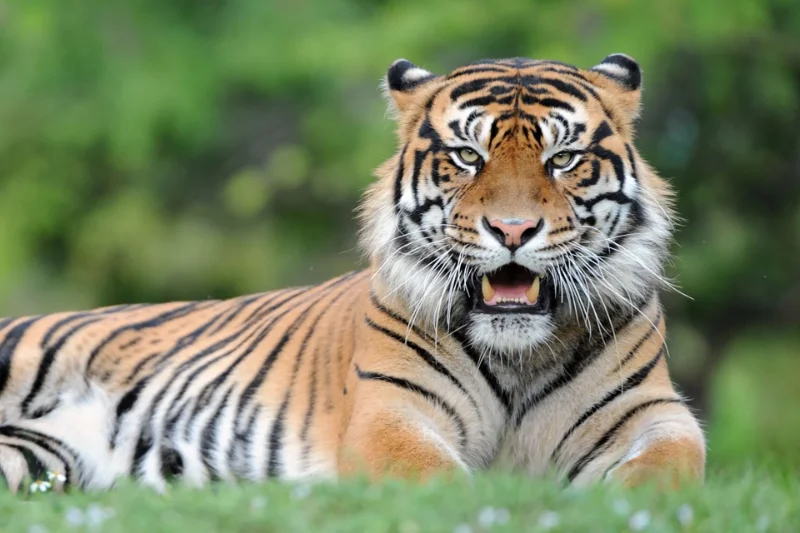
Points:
(509, 316)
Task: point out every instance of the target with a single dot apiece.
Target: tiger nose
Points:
(513, 232)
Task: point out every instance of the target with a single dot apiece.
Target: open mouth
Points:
(512, 289)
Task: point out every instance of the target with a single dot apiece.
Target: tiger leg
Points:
(70, 443)
(669, 451)
(665, 446)
(30, 455)
(392, 433)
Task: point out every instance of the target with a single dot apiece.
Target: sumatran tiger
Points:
(509, 317)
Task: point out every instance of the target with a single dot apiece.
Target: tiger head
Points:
(517, 205)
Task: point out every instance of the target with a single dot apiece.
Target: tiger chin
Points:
(509, 316)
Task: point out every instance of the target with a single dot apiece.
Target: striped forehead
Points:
(540, 100)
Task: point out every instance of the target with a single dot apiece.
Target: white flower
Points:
(301, 492)
(621, 507)
(96, 515)
(549, 520)
(37, 528)
(501, 516)
(486, 517)
(462, 528)
(74, 517)
(258, 503)
(685, 514)
(639, 520)
(56, 477)
(40, 486)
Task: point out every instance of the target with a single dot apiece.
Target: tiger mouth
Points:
(512, 289)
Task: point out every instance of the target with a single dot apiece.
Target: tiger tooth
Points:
(488, 290)
(533, 291)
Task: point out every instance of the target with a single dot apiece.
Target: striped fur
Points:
(388, 369)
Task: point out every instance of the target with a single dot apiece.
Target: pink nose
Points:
(513, 233)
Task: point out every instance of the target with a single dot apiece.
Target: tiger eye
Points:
(561, 159)
(468, 155)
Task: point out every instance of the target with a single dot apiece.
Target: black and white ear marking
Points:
(621, 68)
(401, 85)
(403, 75)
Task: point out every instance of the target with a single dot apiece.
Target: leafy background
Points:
(172, 149)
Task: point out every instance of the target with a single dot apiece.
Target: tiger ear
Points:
(626, 81)
(403, 82)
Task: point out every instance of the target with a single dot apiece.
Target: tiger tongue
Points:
(519, 293)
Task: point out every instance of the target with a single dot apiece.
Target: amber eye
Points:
(562, 159)
(468, 156)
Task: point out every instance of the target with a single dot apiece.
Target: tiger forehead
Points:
(525, 83)
(523, 91)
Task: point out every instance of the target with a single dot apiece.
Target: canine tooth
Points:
(488, 290)
(533, 291)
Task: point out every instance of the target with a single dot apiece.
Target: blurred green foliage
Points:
(169, 149)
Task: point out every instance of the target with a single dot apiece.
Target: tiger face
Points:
(517, 205)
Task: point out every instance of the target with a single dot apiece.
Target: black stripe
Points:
(633, 381)
(476, 70)
(632, 161)
(207, 392)
(607, 437)
(426, 356)
(278, 427)
(398, 179)
(9, 346)
(51, 331)
(180, 344)
(616, 196)
(478, 101)
(50, 352)
(144, 443)
(238, 309)
(309, 416)
(49, 444)
(603, 131)
(6, 321)
(475, 115)
(494, 128)
(261, 375)
(149, 323)
(128, 401)
(563, 86)
(145, 437)
(553, 103)
(633, 351)
(500, 394)
(419, 159)
(587, 351)
(471, 86)
(210, 433)
(614, 158)
(432, 397)
(36, 468)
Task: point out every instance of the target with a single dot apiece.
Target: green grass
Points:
(747, 502)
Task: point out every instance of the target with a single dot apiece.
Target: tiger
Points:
(509, 318)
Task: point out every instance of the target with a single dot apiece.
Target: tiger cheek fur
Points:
(509, 315)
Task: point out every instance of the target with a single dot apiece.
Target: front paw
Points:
(667, 463)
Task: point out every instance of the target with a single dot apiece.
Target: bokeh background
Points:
(175, 149)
